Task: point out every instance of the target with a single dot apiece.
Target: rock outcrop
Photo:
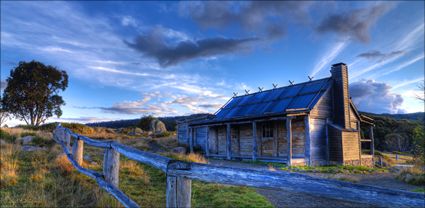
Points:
(157, 126)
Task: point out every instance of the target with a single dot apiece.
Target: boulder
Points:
(179, 150)
(157, 126)
(26, 139)
(135, 131)
(28, 148)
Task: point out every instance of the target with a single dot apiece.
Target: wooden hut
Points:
(310, 123)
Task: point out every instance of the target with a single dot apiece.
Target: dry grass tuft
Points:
(8, 164)
(38, 175)
(270, 167)
(63, 163)
(191, 157)
(414, 176)
(132, 168)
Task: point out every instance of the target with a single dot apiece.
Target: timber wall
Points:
(267, 147)
(182, 136)
(318, 116)
(350, 147)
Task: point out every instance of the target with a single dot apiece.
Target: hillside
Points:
(395, 132)
(419, 116)
(170, 122)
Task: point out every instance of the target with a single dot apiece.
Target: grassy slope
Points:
(46, 179)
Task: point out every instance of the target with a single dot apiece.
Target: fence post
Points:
(77, 151)
(67, 140)
(111, 166)
(179, 189)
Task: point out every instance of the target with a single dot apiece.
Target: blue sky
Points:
(128, 59)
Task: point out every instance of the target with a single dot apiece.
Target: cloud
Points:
(268, 17)
(408, 82)
(161, 105)
(329, 56)
(128, 21)
(380, 56)
(3, 84)
(155, 45)
(404, 64)
(355, 23)
(412, 40)
(80, 119)
(375, 97)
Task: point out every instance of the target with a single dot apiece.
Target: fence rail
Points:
(180, 174)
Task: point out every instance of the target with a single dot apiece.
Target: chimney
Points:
(341, 95)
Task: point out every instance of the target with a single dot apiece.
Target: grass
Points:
(4, 135)
(47, 179)
(331, 169)
(391, 159)
(40, 181)
(348, 169)
(420, 190)
(191, 157)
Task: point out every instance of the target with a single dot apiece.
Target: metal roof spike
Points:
(235, 94)
(274, 85)
(247, 92)
(291, 82)
(310, 78)
(260, 89)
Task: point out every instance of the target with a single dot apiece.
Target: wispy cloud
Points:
(408, 82)
(79, 119)
(406, 44)
(404, 64)
(164, 105)
(329, 56)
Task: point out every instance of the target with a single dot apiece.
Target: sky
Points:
(130, 59)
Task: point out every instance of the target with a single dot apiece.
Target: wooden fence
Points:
(180, 175)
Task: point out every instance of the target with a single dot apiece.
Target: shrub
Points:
(164, 134)
(79, 128)
(414, 176)
(145, 122)
(7, 137)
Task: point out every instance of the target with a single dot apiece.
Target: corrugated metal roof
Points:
(299, 96)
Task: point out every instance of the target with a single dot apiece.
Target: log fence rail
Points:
(180, 175)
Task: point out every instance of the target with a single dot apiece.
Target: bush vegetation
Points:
(394, 135)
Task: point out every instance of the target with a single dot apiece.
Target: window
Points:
(267, 130)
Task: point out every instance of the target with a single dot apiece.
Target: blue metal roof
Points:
(275, 101)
